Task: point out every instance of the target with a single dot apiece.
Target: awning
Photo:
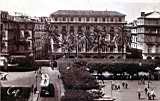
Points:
(157, 68)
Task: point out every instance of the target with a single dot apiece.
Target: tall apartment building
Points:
(88, 33)
(148, 34)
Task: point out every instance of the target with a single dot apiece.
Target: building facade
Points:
(41, 39)
(148, 34)
(23, 36)
(69, 33)
(16, 35)
(83, 33)
(134, 34)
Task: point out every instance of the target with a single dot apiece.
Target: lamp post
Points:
(140, 65)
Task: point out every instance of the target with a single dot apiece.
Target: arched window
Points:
(111, 57)
(119, 57)
(26, 34)
(157, 58)
(149, 58)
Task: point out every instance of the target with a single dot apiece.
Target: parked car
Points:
(47, 88)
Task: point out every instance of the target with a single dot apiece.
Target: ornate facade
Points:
(89, 33)
(69, 33)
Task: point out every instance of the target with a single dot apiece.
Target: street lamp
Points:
(140, 65)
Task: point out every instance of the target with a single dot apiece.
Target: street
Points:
(54, 79)
(130, 94)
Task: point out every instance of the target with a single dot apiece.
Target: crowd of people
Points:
(117, 86)
(147, 91)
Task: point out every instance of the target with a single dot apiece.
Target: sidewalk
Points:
(34, 97)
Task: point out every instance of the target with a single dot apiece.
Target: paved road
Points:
(56, 81)
(130, 94)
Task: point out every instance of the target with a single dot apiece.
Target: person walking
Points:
(149, 94)
(153, 95)
(139, 93)
(123, 84)
(126, 85)
(145, 90)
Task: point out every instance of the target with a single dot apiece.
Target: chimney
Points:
(142, 13)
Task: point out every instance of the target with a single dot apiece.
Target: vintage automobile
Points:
(47, 88)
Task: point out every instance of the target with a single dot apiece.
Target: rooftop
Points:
(86, 13)
(154, 14)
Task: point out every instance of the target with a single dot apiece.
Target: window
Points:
(64, 19)
(71, 18)
(111, 49)
(55, 27)
(95, 19)
(3, 34)
(111, 57)
(111, 19)
(79, 29)
(87, 27)
(63, 27)
(104, 19)
(119, 49)
(3, 45)
(55, 19)
(1, 26)
(120, 20)
(26, 34)
(87, 19)
(149, 49)
(71, 29)
(79, 19)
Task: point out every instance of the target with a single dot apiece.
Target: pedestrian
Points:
(152, 93)
(139, 93)
(145, 90)
(118, 86)
(123, 84)
(149, 94)
(112, 87)
(126, 85)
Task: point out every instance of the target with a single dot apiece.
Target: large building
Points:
(148, 34)
(87, 33)
(16, 35)
(69, 33)
(23, 36)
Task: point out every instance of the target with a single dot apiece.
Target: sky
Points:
(131, 8)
